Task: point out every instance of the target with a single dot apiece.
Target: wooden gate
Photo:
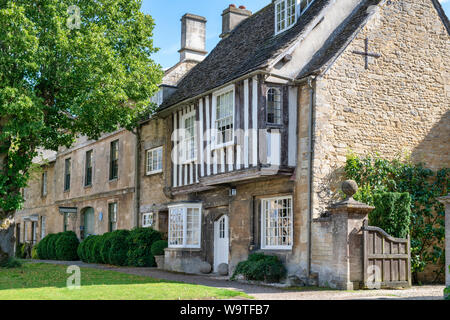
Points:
(387, 260)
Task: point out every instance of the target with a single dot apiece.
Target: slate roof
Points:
(252, 46)
(249, 47)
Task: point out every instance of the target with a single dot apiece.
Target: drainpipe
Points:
(310, 174)
(137, 176)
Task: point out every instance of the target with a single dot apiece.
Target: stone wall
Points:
(398, 106)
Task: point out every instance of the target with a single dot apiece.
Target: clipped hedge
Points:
(260, 267)
(119, 248)
(158, 247)
(66, 246)
(51, 246)
(105, 247)
(392, 213)
(87, 249)
(140, 241)
(96, 249)
(42, 248)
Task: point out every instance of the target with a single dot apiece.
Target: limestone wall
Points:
(399, 106)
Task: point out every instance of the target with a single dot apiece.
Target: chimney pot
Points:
(231, 17)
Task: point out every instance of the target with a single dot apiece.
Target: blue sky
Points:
(167, 15)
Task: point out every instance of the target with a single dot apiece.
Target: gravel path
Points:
(271, 293)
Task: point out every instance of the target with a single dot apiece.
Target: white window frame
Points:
(147, 216)
(279, 93)
(184, 209)
(263, 224)
(308, 4)
(215, 131)
(285, 19)
(147, 158)
(43, 226)
(185, 139)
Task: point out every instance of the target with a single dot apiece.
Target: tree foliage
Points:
(58, 81)
(427, 229)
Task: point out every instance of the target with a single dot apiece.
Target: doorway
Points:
(221, 241)
(88, 222)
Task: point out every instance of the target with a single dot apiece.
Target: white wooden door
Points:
(221, 241)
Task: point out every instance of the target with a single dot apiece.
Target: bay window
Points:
(276, 223)
(185, 226)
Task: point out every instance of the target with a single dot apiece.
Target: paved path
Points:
(271, 293)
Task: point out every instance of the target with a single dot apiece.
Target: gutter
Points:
(137, 176)
(310, 80)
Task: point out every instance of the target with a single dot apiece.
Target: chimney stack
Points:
(193, 38)
(231, 17)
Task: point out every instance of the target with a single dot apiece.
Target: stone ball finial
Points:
(349, 187)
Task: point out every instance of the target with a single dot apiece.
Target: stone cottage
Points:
(249, 145)
(245, 151)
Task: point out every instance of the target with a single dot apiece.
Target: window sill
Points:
(184, 249)
(88, 186)
(222, 146)
(277, 249)
(113, 180)
(152, 173)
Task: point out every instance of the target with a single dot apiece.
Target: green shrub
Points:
(96, 249)
(119, 248)
(158, 247)
(42, 248)
(66, 246)
(80, 250)
(51, 246)
(140, 241)
(105, 247)
(20, 249)
(34, 254)
(11, 263)
(392, 213)
(261, 267)
(87, 250)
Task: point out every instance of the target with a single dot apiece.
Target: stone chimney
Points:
(193, 38)
(231, 17)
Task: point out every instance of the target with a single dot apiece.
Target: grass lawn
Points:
(48, 282)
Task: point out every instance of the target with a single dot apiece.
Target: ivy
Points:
(376, 175)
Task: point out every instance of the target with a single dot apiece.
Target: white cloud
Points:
(444, 1)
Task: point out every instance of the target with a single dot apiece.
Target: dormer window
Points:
(287, 12)
(285, 15)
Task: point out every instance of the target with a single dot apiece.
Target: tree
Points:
(68, 68)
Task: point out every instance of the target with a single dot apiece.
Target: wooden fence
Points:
(387, 260)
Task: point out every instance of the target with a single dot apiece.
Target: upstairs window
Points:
(154, 160)
(44, 183)
(88, 173)
(274, 106)
(285, 15)
(114, 160)
(188, 144)
(304, 4)
(67, 175)
(224, 117)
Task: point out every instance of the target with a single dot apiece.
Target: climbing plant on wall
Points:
(376, 175)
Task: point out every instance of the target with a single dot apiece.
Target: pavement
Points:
(264, 292)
